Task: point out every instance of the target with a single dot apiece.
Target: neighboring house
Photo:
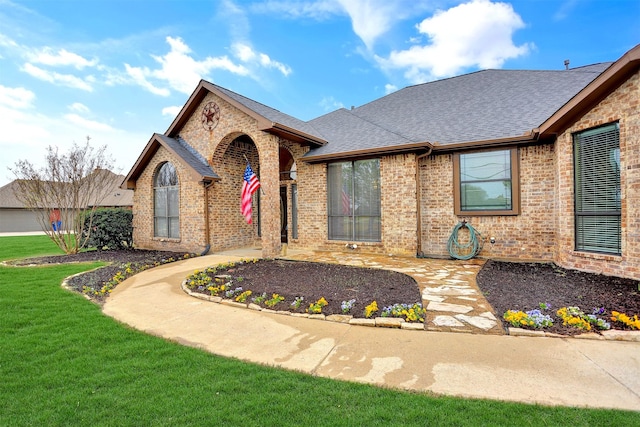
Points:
(545, 162)
(15, 217)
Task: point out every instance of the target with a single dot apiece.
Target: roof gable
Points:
(269, 119)
(197, 166)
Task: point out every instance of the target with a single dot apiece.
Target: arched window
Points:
(166, 208)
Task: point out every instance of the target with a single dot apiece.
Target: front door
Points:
(283, 215)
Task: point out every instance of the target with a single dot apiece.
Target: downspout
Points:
(419, 252)
(207, 239)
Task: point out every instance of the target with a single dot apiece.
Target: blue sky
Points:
(118, 71)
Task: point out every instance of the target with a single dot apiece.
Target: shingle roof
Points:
(271, 114)
(481, 106)
(115, 196)
(348, 132)
(189, 155)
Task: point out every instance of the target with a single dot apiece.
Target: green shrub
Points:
(111, 228)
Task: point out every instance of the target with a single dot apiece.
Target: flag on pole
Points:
(250, 184)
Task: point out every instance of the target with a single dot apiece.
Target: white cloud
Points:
(565, 9)
(246, 54)
(389, 88)
(474, 34)
(171, 111)
(67, 80)
(299, 9)
(78, 107)
(16, 97)
(329, 103)
(26, 134)
(180, 70)
(139, 77)
(90, 125)
(62, 57)
(370, 18)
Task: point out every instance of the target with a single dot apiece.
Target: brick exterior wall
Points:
(542, 231)
(622, 105)
(228, 228)
(398, 207)
(191, 209)
(527, 236)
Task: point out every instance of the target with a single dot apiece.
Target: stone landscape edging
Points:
(397, 323)
(609, 335)
(380, 322)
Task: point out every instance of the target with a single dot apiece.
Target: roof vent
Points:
(566, 64)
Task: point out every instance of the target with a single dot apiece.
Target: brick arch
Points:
(223, 145)
(286, 161)
(228, 228)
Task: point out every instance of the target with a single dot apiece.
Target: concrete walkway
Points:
(553, 371)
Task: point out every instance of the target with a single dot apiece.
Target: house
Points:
(544, 164)
(16, 218)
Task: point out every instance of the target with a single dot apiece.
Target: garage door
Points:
(18, 220)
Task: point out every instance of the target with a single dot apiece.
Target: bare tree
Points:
(68, 186)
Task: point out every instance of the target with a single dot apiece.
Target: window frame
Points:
(165, 189)
(584, 195)
(515, 185)
(353, 197)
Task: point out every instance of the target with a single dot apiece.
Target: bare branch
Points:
(67, 185)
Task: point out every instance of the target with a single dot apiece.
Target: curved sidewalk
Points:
(553, 371)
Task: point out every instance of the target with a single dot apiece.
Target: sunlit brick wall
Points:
(527, 236)
(622, 105)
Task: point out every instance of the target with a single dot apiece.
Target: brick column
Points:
(270, 202)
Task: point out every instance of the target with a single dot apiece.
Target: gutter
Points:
(379, 151)
(305, 136)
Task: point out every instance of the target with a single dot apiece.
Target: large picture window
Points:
(597, 189)
(166, 209)
(486, 183)
(354, 200)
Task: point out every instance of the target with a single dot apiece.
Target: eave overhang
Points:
(369, 152)
(147, 154)
(527, 138)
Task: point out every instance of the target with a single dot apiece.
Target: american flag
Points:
(250, 184)
(346, 202)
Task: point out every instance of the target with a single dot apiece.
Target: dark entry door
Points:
(283, 215)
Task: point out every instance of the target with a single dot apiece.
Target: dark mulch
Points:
(118, 259)
(523, 286)
(312, 281)
(507, 286)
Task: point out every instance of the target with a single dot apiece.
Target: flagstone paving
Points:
(449, 291)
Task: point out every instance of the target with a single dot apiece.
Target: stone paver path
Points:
(450, 294)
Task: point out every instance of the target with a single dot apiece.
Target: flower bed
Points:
(313, 288)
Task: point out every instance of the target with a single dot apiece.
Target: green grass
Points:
(62, 362)
(27, 246)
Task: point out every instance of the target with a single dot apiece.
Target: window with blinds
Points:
(354, 200)
(597, 189)
(486, 183)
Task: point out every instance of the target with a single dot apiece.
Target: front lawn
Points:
(62, 362)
